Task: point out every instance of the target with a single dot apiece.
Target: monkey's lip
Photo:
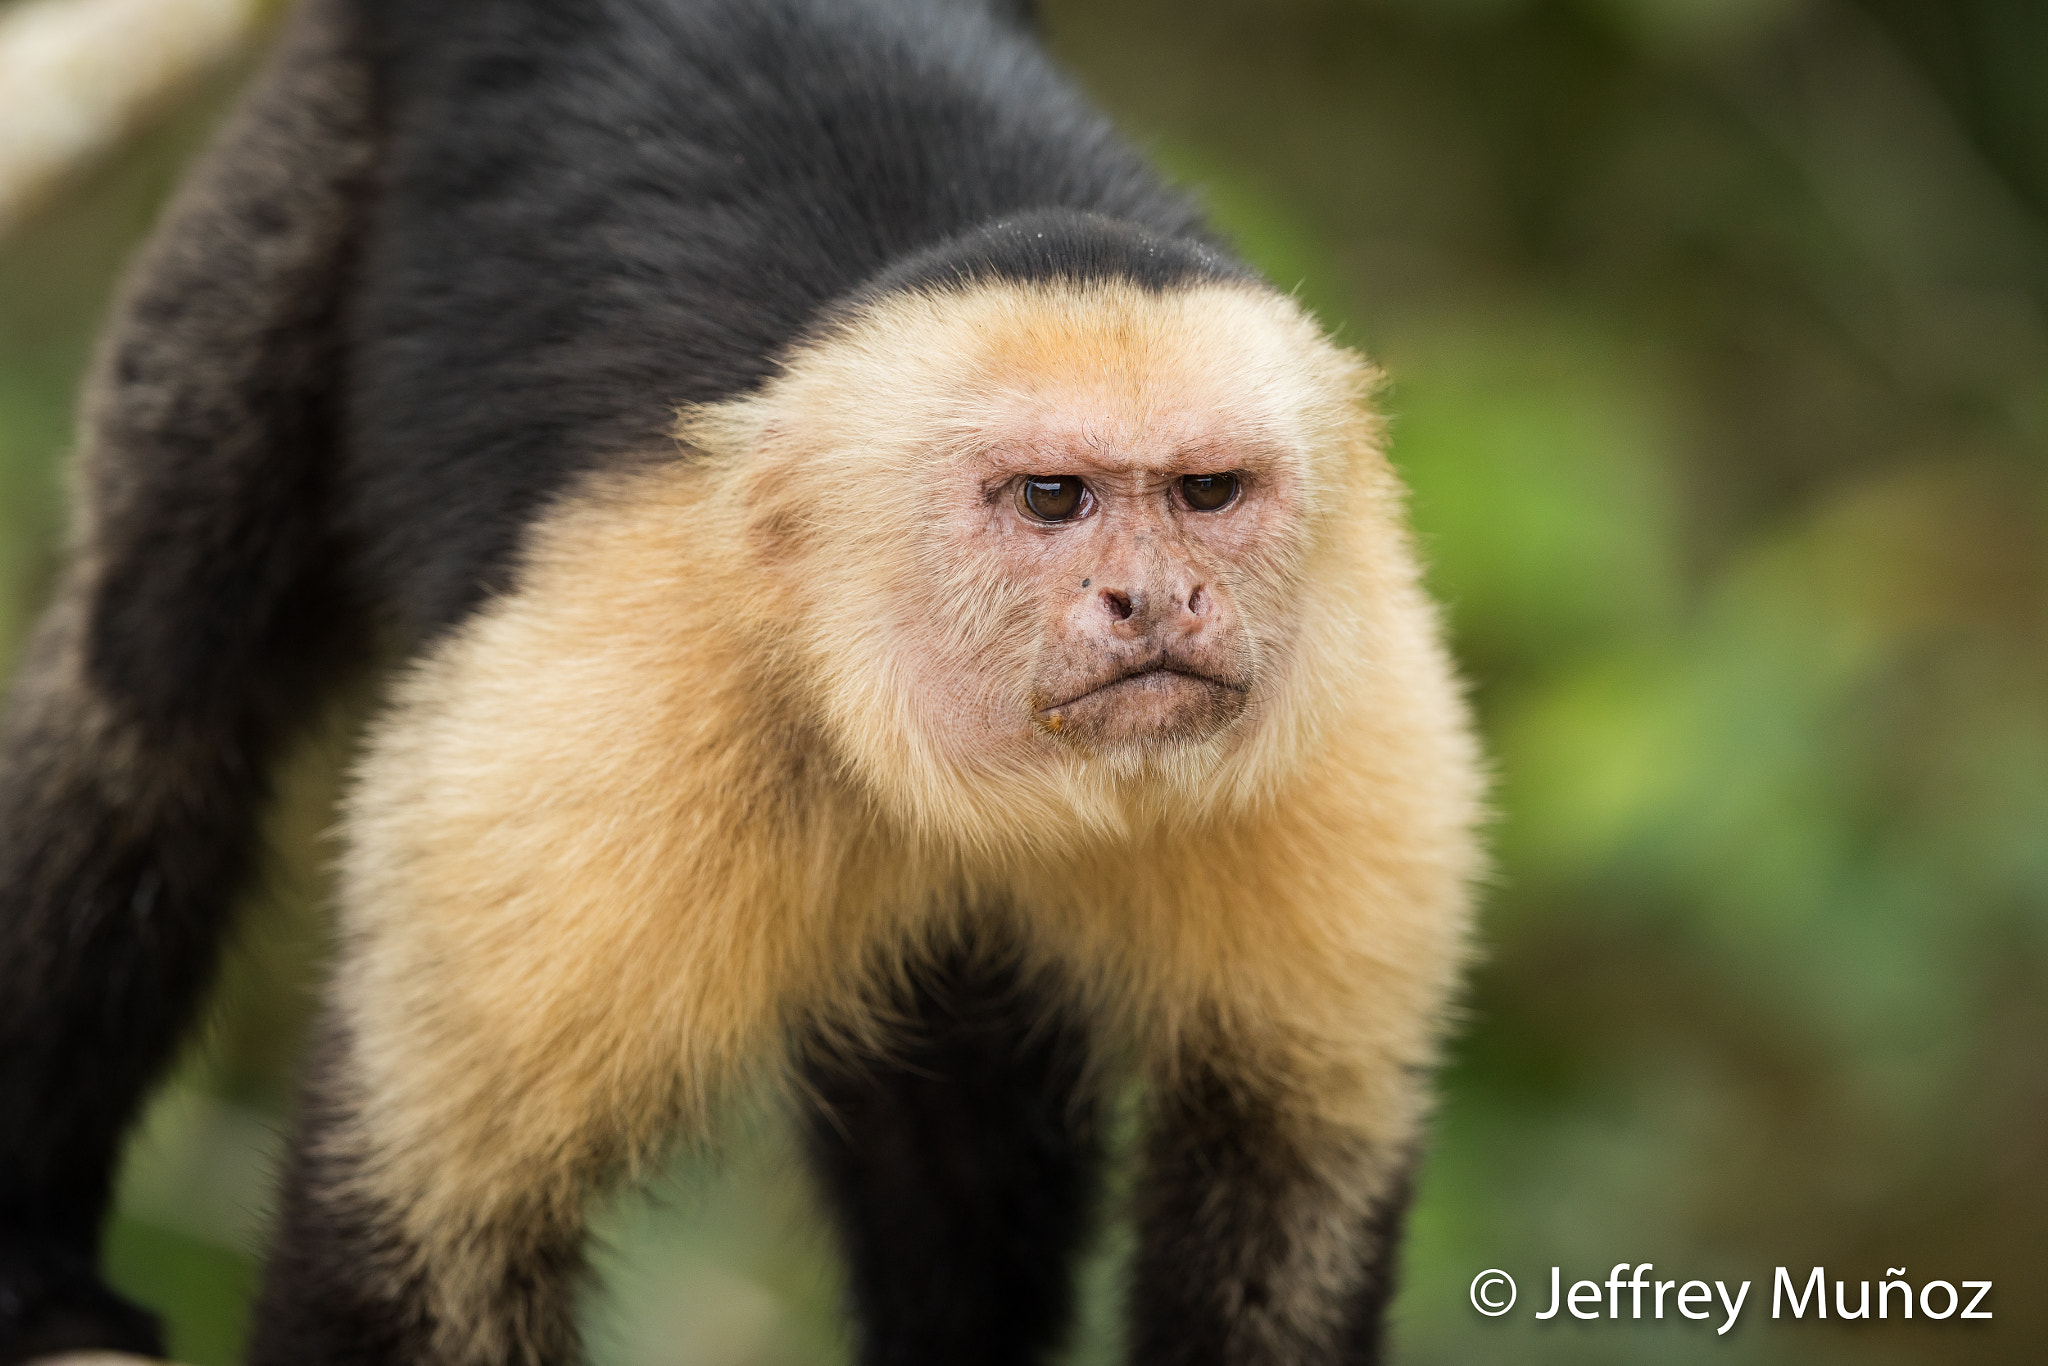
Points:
(1150, 669)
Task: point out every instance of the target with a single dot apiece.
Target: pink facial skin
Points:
(1141, 641)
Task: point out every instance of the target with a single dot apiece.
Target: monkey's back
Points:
(591, 215)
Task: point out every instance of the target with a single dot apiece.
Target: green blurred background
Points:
(1719, 370)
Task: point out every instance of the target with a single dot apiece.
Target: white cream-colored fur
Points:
(695, 787)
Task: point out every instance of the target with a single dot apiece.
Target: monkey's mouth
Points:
(1162, 698)
(1153, 671)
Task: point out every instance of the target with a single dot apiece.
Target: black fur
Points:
(1226, 1194)
(593, 214)
(334, 1288)
(1046, 245)
(201, 606)
(1365, 1323)
(962, 1171)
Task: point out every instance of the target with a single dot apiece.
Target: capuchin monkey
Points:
(872, 600)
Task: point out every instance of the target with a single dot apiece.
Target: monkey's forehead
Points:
(1074, 362)
(1108, 440)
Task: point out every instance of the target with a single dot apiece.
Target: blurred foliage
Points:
(1719, 368)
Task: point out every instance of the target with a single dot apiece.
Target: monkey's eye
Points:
(1053, 498)
(1208, 492)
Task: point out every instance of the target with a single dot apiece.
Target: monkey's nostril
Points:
(1197, 600)
(1119, 604)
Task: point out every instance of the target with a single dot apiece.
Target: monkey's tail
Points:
(202, 609)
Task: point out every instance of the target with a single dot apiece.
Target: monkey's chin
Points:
(1157, 708)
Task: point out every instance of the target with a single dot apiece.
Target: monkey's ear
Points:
(779, 529)
(753, 458)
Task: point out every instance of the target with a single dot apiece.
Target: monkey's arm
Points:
(1275, 1175)
(187, 634)
(1301, 967)
(1266, 1233)
(566, 928)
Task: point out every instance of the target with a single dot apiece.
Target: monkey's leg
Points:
(351, 1279)
(444, 1223)
(192, 628)
(962, 1172)
(1267, 1231)
(514, 1026)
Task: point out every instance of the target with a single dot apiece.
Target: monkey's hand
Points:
(53, 1301)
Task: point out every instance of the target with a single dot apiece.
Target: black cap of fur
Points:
(1047, 246)
(1060, 244)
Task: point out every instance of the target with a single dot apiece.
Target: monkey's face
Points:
(1124, 536)
(1051, 549)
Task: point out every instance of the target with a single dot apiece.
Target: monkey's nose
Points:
(1124, 606)
(1135, 612)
